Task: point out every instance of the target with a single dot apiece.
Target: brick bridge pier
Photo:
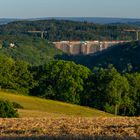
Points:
(85, 47)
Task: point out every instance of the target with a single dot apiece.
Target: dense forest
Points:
(33, 50)
(125, 57)
(105, 89)
(36, 51)
(57, 30)
(109, 81)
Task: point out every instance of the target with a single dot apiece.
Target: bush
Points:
(7, 109)
(16, 105)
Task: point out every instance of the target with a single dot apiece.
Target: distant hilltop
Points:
(99, 20)
(7, 20)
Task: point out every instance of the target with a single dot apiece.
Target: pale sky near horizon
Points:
(69, 8)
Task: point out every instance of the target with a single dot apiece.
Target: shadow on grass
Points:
(70, 138)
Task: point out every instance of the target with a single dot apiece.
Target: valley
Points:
(69, 70)
(69, 80)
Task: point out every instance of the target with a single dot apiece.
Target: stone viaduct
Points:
(85, 47)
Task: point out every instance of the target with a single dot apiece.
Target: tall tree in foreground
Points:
(62, 80)
(134, 93)
(6, 71)
(15, 75)
(108, 90)
(22, 77)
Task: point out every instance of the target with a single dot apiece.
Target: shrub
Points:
(16, 105)
(7, 109)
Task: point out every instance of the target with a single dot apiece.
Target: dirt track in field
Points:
(72, 126)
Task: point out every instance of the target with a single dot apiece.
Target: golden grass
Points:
(37, 107)
(38, 114)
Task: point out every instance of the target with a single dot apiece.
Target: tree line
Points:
(102, 88)
(58, 30)
(124, 57)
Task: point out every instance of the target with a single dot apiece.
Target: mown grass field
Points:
(37, 107)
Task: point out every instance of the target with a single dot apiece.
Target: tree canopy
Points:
(15, 75)
(103, 88)
(62, 80)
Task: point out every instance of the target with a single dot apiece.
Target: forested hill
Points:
(30, 47)
(125, 57)
(33, 50)
(68, 30)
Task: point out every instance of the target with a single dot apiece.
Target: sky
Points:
(69, 8)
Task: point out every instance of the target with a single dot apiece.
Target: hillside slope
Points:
(58, 30)
(34, 50)
(125, 57)
(37, 107)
